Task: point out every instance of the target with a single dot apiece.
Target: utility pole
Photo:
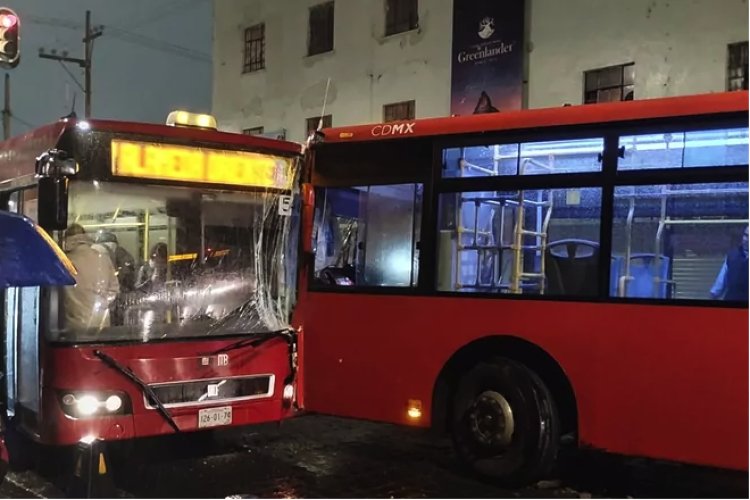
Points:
(6, 109)
(85, 63)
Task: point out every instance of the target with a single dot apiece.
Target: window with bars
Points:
(396, 111)
(312, 123)
(253, 131)
(613, 83)
(255, 48)
(737, 66)
(321, 29)
(400, 16)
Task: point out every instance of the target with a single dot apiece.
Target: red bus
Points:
(520, 276)
(179, 320)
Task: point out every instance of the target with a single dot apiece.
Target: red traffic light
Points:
(10, 25)
(8, 20)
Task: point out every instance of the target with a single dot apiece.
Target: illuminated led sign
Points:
(150, 160)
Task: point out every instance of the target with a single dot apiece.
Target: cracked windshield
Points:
(168, 262)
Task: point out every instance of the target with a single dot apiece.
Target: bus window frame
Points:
(608, 178)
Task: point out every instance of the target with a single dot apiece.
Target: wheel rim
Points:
(491, 420)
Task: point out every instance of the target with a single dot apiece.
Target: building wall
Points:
(678, 46)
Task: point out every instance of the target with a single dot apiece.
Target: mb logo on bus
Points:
(393, 129)
(221, 360)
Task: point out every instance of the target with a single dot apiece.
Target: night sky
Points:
(153, 57)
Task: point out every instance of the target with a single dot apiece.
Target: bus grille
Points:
(197, 392)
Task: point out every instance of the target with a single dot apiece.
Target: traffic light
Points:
(10, 25)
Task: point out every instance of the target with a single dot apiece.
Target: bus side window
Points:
(680, 241)
(700, 148)
(538, 241)
(367, 235)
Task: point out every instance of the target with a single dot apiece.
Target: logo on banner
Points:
(486, 28)
(487, 56)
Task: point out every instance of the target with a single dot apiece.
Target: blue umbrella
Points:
(29, 257)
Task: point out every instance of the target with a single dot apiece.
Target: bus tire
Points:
(505, 424)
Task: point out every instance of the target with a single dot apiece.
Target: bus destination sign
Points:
(151, 160)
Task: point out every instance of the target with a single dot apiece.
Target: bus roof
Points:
(54, 130)
(17, 154)
(196, 134)
(703, 104)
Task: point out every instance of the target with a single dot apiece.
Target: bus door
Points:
(21, 328)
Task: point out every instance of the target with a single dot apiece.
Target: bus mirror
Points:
(53, 203)
(53, 169)
(308, 216)
(56, 163)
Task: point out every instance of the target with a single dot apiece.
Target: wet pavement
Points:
(323, 457)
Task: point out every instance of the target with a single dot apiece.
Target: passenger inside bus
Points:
(123, 261)
(732, 281)
(152, 275)
(87, 303)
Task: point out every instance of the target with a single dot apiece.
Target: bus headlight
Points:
(95, 403)
(87, 405)
(113, 403)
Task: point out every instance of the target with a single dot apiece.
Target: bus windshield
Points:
(161, 262)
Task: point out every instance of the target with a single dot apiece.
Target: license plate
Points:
(213, 417)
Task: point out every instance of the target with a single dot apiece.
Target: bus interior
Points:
(185, 258)
(668, 240)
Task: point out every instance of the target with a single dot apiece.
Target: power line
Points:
(21, 121)
(152, 43)
(48, 21)
(90, 35)
(128, 36)
(72, 76)
(167, 10)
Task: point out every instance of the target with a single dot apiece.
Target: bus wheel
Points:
(504, 423)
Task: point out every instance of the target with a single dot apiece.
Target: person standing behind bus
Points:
(87, 302)
(732, 281)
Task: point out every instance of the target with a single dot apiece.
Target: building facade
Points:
(276, 62)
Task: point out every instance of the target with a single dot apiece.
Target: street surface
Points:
(323, 457)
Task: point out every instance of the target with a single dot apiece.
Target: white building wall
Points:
(678, 46)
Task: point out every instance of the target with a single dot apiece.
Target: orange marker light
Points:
(414, 409)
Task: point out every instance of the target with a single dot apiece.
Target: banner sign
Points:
(488, 51)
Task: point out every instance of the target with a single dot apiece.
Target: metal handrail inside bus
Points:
(663, 222)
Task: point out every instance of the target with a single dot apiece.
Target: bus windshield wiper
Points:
(112, 363)
(289, 334)
(257, 339)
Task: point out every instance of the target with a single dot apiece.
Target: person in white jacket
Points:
(87, 302)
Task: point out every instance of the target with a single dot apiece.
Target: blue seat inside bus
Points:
(644, 267)
(643, 271)
(572, 267)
